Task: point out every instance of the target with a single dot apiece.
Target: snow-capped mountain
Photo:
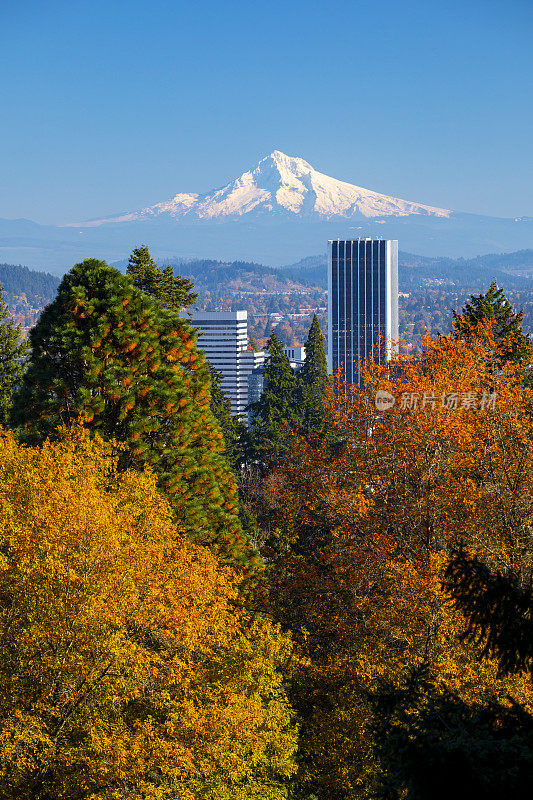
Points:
(276, 213)
(280, 185)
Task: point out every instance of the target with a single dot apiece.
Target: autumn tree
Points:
(371, 521)
(433, 743)
(128, 667)
(173, 291)
(430, 742)
(108, 351)
(498, 607)
(13, 351)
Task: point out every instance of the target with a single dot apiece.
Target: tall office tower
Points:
(362, 303)
(223, 337)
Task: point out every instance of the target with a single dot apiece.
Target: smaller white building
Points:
(296, 356)
(223, 336)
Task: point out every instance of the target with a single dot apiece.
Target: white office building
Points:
(223, 336)
(362, 304)
(296, 355)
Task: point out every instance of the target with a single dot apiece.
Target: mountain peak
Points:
(282, 186)
(282, 160)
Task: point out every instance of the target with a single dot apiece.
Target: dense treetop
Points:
(494, 307)
(130, 367)
(275, 412)
(313, 385)
(173, 291)
(128, 667)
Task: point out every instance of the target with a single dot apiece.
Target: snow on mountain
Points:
(285, 185)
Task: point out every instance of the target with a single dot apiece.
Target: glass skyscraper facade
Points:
(362, 303)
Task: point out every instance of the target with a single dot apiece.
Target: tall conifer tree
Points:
(494, 306)
(173, 291)
(110, 353)
(275, 413)
(313, 384)
(13, 350)
(143, 270)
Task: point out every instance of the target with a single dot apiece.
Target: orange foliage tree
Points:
(128, 668)
(445, 456)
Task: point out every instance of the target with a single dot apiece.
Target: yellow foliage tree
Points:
(127, 668)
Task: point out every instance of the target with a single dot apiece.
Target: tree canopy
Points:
(173, 291)
(313, 385)
(274, 413)
(493, 307)
(370, 525)
(128, 667)
(110, 353)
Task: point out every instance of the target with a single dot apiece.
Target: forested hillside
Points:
(26, 292)
(239, 276)
(514, 269)
(285, 300)
(36, 286)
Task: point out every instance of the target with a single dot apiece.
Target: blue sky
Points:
(110, 105)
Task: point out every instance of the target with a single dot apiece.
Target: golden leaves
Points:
(127, 665)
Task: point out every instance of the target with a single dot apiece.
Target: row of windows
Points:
(361, 249)
(358, 303)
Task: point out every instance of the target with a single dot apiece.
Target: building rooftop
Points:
(215, 316)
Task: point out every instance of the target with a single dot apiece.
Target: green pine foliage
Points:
(173, 291)
(275, 413)
(107, 352)
(13, 350)
(314, 385)
(494, 306)
(297, 401)
(143, 270)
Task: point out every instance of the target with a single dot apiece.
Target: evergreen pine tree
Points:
(13, 350)
(313, 384)
(173, 291)
(274, 413)
(493, 306)
(110, 353)
(143, 270)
